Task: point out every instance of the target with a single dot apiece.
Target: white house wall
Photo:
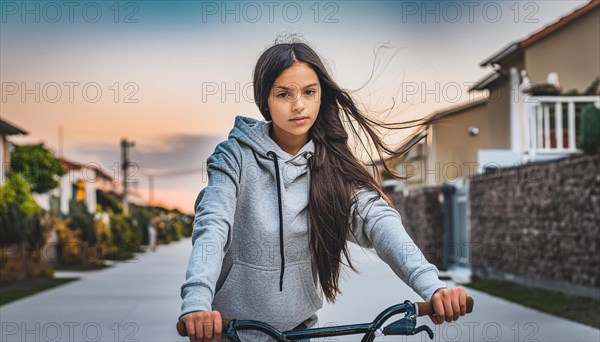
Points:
(66, 192)
(90, 191)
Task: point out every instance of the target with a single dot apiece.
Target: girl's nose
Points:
(298, 104)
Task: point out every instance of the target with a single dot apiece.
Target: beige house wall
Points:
(456, 157)
(498, 116)
(572, 51)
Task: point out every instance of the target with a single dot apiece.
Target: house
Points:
(80, 183)
(512, 124)
(540, 127)
(6, 129)
(432, 162)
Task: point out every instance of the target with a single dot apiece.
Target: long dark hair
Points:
(336, 173)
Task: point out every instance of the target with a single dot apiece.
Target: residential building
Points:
(6, 129)
(512, 124)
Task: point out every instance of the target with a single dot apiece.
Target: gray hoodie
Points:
(251, 258)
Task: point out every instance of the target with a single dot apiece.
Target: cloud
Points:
(170, 153)
(176, 160)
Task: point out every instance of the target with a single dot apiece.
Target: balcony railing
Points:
(553, 123)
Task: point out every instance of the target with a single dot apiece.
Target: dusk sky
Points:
(173, 75)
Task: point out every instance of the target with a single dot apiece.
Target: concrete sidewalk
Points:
(494, 319)
(139, 300)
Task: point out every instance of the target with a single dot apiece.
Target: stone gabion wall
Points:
(422, 218)
(540, 222)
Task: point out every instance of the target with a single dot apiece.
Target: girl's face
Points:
(294, 104)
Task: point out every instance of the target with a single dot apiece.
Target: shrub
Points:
(70, 248)
(589, 139)
(162, 232)
(188, 225)
(19, 214)
(125, 238)
(109, 201)
(104, 238)
(141, 217)
(80, 219)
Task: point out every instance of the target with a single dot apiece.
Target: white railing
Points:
(548, 130)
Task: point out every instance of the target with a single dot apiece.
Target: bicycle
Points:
(404, 326)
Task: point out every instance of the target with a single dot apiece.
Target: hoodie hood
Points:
(255, 134)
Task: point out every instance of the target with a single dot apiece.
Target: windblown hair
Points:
(336, 173)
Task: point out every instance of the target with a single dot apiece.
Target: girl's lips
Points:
(299, 121)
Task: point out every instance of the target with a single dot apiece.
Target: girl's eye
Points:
(281, 94)
(310, 92)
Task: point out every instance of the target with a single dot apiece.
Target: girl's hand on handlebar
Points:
(448, 304)
(203, 326)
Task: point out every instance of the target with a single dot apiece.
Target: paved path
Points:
(140, 301)
(134, 300)
(377, 287)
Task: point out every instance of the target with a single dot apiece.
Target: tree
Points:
(589, 141)
(38, 166)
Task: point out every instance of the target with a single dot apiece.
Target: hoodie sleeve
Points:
(213, 221)
(378, 225)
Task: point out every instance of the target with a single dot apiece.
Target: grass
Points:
(580, 309)
(14, 291)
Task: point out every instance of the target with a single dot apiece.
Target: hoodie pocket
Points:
(252, 292)
(310, 289)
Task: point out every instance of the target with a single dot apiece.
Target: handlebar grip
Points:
(426, 308)
(183, 331)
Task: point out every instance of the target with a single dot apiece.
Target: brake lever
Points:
(424, 328)
(407, 325)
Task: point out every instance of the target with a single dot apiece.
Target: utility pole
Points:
(125, 162)
(151, 192)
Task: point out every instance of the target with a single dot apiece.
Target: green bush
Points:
(188, 225)
(80, 219)
(109, 201)
(71, 249)
(177, 229)
(19, 214)
(589, 139)
(173, 230)
(141, 217)
(163, 232)
(104, 239)
(124, 233)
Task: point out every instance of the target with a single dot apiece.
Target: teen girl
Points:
(284, 197)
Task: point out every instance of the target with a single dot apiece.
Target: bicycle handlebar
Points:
(422, 309)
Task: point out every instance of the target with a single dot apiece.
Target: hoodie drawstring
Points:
(274, 156)
(271, 154)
